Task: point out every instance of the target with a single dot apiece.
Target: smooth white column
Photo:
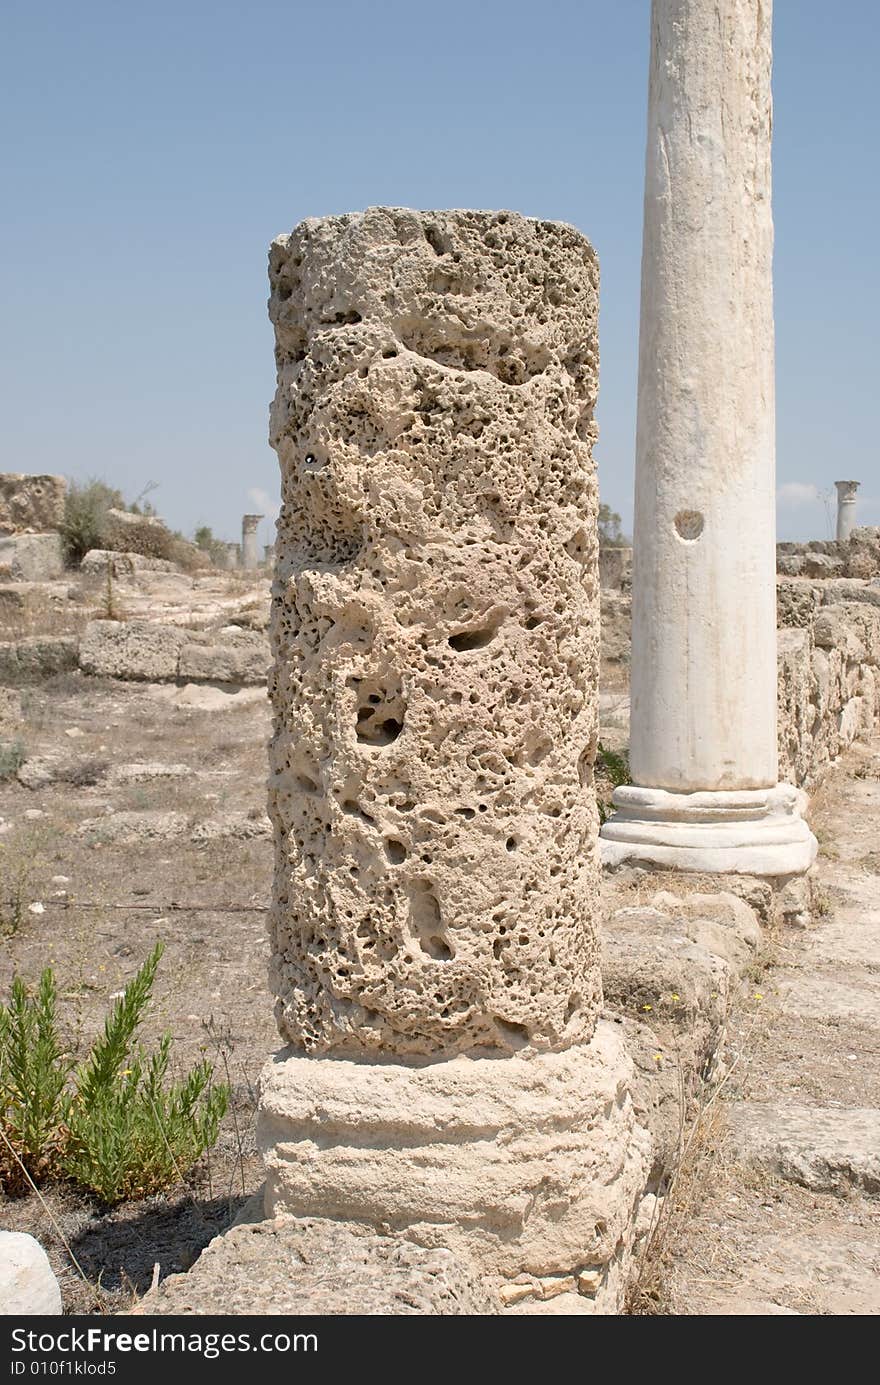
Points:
(250, 542)
(703, 723)
(846, 508)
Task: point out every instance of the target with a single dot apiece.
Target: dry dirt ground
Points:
(100, 923)
(779, 1209)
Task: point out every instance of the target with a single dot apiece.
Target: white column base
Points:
(745, 831)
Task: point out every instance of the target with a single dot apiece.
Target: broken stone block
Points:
(32, 557)
(131, 650)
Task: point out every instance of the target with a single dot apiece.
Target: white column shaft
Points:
(704, 599)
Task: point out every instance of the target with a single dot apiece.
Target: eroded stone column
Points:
(250, 542)
(846, 508)
(435, 632)
(703, 741)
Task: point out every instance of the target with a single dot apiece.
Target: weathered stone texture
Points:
(31, 557)
(531, 1164)
(30, 504)
(131, 649)
(27, 1281)
(435, 630)
(321, 1268)
(829, 683)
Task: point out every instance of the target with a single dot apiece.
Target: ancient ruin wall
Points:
(30, 504)
(435, 631)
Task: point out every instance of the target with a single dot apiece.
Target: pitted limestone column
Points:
(250, 542)
(703, 740)
(435, 633)
(846, 508)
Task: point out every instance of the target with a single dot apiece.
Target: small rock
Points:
(27, 1283)
(33, 814)
(553, 1285)
(73, 732)
(36, 908)
(589, 1281)
(515, 1293)
(60, 880)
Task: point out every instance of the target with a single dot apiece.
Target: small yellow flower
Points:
(658, 1057)
(759, 995)
(675, 996)
(647, 1007)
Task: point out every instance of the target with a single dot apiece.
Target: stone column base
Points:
(746, 831)
(533, 1166)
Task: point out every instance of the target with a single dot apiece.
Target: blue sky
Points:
(153, 151)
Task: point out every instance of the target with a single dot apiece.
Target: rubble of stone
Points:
(321, 1268)
(857, 556)
(142, 650)
(123, 564)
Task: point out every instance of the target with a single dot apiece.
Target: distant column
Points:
(704, 792)
(846, 508)
(250, 543)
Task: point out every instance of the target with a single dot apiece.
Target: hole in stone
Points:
(356, 811)
(511, 844)
(426, 922)
(517, 1035)
(306, 784)
(472, 639)
(689, 525)
(466, 813)
(395, 851)
(434, 239)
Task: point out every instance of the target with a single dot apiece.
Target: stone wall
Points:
(856, 557)
(829, 683)
(30, 504)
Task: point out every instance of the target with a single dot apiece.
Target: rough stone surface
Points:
(321, 1268)
(27, 1283)
(32, 557)
(824, 1148)
(242, 656)
(829, 684)
(435, 631)
(97, 560)
(38, 657)
(30, 504)
(131, 650)
(530, 1164)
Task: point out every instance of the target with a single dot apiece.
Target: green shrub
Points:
(113, 1124)
(33, 1075)
(12, 757)
(85, 523)
(612, 770)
